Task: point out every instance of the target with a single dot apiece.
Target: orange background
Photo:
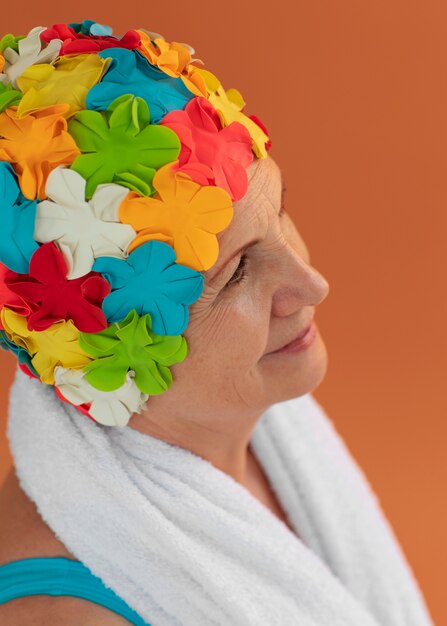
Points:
(354, 95)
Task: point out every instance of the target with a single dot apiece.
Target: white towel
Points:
(184, 544)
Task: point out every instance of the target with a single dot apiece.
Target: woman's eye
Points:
(240, 273)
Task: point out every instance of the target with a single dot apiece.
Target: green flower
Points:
(131, 345)
(10, 41)
(121, 145)
(9, 96)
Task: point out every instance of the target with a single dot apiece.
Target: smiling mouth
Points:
(297, 338)
(302, 342)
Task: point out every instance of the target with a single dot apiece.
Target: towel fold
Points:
(184, 544)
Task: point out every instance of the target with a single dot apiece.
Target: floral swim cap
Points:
(120, 158)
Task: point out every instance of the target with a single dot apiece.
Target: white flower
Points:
(83, 230)
(111, 408)
(31, 50)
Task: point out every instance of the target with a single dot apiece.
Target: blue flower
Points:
(130, 72)
(150, 281)
(23, 356)
(17, 217)
(90, 27)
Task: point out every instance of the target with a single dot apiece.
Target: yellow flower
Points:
(35, 144)
(229, 104)
(66, 81)
(185, 215)
(174, 60)
(58, 345)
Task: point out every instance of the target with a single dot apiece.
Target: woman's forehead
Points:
(263, 195)
(253, 213)
(264, 175)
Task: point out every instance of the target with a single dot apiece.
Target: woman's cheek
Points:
(252, 324)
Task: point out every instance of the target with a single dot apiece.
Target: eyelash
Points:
(240, 278)
(242, 264)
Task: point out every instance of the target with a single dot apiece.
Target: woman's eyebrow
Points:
(282, 198)
(283, 188)
(250, 244)
(241, 250)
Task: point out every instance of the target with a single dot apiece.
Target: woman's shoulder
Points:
(23, 534)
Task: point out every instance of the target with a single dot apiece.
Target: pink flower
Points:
(211, 154)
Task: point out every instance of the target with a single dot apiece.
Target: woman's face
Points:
(228, 373)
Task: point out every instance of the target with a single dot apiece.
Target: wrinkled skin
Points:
(227, 380)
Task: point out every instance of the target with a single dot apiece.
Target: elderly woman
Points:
(175, 468)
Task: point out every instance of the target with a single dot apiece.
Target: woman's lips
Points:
(301, 342)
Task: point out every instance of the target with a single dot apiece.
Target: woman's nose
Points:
(298, 284)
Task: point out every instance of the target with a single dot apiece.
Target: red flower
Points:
(51, 297)
(211, 154)
(78, 43)
(9, 298)
(263, 127)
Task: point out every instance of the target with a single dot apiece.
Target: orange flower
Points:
(2, 62)
(185, 215)
(35, 144)
(174, 60)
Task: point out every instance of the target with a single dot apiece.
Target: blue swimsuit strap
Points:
(60, 576)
